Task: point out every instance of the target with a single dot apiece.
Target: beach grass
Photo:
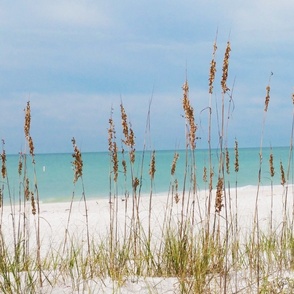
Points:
(189, 241)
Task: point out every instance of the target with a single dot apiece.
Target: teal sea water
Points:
(54, 172)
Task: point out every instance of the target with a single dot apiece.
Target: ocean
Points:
(55, 174)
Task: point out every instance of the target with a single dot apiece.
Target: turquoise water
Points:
(54, 172)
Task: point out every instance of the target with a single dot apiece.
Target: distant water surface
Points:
(54, 172)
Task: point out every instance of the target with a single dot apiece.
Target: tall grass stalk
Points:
(256, 230)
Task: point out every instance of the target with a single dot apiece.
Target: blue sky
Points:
(74, 60)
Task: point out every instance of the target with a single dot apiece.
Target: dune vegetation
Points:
(195, 241)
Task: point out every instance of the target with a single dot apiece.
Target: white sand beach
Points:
(54, 219)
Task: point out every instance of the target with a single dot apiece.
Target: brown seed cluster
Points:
(33, 204)
(27, 124)
(212, 69)
(227, 161)
(78, 162)
(236, 157)
(152, 169)
(267, 98)
(112, 147)
(3, 159)
(293, 98)
(27, 128)
(189, 113)
(20, 163)
(219, 195)
(128, 133)
(174, 164)
(176, 188)
(136, 183)
(124, 164)
(283, 179)
(271, 163)
(226, 68)
(210, 179)
(27, 189)
(31, 145)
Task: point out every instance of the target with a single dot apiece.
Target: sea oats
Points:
(174, 164)
(27, 189)
(33, 204)
(226, 68)
(219, 195)
(27, 124)
(112, 147)
(20, 163)
(152, 169)
(271, 163)
(283, 179)
(267, 98)
(189, 114)
(210, 179)
(3, 159)
(78, 162)
(212, 69)
(227, 161)
(129, 136)
(176, 188)
(136, 183)
(31, 146)
(236, 157)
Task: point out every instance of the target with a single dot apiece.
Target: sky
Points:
(76, 61)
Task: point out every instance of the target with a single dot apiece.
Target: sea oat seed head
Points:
(271, 163)
(78, 162)
(20, 163)
(27, 189)
(136, 183)
(227, 161)
(189, 114)
(33, 203)
(219, 195)
(212, 69)
(226, 68)
(174, 164)
(27, 124)
(283, 179)
(152, 169)
(236, 157)
(3, 159)
(267, 98)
